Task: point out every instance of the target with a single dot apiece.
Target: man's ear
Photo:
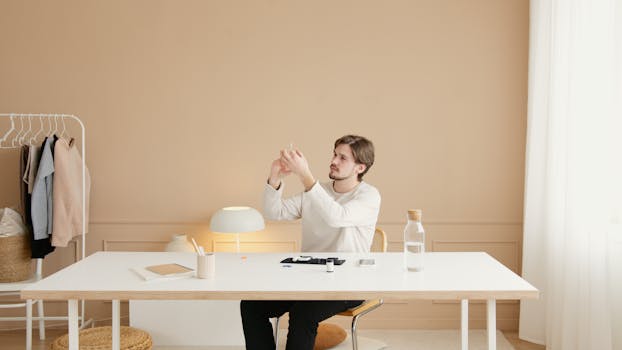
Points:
(360, 168)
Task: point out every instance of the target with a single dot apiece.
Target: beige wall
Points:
(187, 102)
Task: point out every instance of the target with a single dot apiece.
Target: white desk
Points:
(448, 276)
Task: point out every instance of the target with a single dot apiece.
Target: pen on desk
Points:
(196, 246)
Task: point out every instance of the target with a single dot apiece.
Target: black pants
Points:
(304, 317)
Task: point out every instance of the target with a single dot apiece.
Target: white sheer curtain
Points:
(573, 193)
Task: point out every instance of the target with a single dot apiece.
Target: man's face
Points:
(343, 165)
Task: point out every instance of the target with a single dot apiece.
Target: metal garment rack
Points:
(22, 132)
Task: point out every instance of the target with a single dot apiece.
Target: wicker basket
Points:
(15, 262)
(100, 338)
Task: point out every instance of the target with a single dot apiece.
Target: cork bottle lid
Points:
(414, 214)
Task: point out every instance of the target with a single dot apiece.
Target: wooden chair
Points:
(379, 244)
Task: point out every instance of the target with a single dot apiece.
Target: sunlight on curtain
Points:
(572, 244)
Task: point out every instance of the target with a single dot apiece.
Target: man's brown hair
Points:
(362, 150)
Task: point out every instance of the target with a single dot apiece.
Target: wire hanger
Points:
(33, 139)
(62, 133)
(8, 132)
(49, 133)
(22, 138)
(16, 137)
(55, 124)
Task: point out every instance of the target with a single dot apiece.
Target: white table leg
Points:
(28, 324)
(72, 320)
(116, 325)
(492, 323)
(82, 320)
(41, 319)
(464, 326)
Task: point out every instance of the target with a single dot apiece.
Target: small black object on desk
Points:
(315, 261)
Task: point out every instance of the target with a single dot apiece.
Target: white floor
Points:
(395, 340)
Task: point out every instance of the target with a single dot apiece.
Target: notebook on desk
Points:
(168, 269)
(163, 271)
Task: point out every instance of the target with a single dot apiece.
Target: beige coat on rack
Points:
(67, 201)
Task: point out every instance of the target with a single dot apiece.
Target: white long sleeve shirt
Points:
(331, 221)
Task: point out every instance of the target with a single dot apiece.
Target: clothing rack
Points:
(25, 128)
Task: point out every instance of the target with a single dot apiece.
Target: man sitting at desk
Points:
(337, 216)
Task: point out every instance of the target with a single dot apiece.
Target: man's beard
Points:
(336, 178)
(332, 177)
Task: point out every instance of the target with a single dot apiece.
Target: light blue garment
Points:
(41, 201)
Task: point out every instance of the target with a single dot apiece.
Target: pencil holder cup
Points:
(206, 266)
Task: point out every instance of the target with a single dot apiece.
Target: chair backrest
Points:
(379, 242)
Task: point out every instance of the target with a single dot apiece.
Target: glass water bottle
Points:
(414, 242)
